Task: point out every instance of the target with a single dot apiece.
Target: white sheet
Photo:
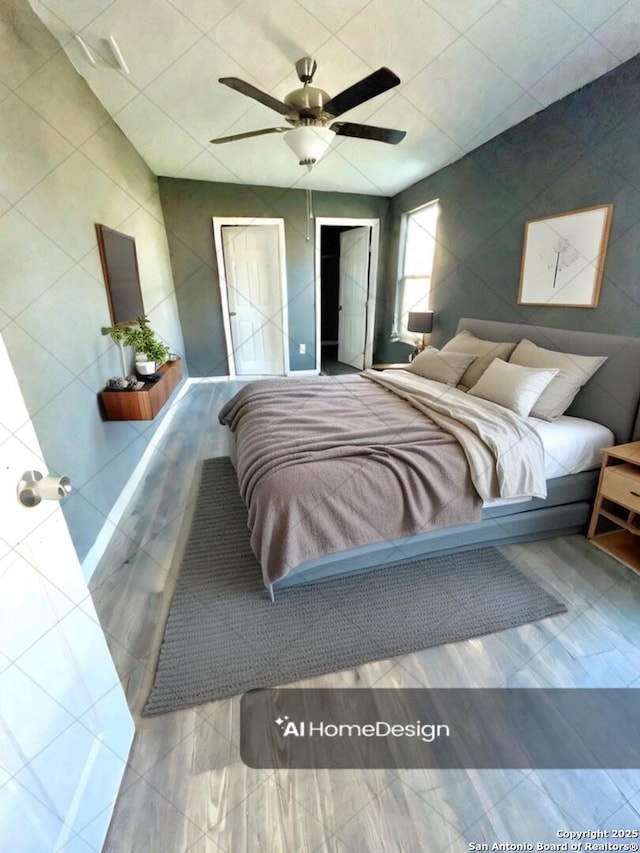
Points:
(572, 445)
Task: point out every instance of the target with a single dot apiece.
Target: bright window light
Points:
(415, 265)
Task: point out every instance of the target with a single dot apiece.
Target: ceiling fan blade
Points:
(368, 87)
(368, 131)
(248, 134)
(257, 94)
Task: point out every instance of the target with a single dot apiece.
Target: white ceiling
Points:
(469, 70)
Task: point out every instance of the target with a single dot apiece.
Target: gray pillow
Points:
(573, 372)
(445, 367)
(485, 352)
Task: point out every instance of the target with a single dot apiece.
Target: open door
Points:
(354, 296)
(346, 273)
(65, 728)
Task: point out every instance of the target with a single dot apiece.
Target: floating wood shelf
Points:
(145, 404)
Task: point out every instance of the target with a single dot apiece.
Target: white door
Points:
(65, 729)
(353, 296)
(253, 278)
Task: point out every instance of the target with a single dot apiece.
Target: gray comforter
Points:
(327, 464)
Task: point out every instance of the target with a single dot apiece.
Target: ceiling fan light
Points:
(309, 143)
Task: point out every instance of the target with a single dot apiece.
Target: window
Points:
(417, 249)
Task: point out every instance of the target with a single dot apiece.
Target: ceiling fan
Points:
(311, 112)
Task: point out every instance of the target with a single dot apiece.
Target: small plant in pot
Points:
(151, 353)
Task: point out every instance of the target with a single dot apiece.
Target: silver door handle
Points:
(33, 488)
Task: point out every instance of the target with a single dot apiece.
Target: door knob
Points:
(34, 487)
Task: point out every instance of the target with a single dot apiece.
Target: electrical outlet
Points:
(303, 349)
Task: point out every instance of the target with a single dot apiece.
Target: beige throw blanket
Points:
(328, 464)
(505, 454)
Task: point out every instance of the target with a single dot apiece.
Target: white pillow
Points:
(445, 367)
(485, 352)
(514, 387)
(573, 372)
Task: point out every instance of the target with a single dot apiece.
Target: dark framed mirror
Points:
(121, 276)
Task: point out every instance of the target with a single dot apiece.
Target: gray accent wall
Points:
(189, 207)
(65, 165)
(581, 151)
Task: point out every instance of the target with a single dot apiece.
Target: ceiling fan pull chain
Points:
(309, 213)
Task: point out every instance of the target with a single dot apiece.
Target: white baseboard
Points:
(119, 508)
(251, 377)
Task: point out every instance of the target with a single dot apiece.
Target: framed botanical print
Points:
(563, 258)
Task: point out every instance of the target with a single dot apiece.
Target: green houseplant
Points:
(141, 337)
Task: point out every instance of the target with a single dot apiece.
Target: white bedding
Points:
(504, 453)
(571, 445)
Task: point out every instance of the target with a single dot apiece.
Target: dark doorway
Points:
(329, 299)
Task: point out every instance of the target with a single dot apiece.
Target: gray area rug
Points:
(223, 636)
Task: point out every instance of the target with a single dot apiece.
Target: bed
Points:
(439, 495)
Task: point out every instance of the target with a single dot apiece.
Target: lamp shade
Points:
(420, 321)
(309, 143)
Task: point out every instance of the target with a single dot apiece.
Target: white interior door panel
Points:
(353, 296)
(252, 265)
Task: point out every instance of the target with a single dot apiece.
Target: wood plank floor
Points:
(185, 788)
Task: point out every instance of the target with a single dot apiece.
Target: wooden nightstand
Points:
(619, 490)
(390, 365)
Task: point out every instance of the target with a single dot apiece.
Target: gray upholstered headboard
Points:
(611, 396)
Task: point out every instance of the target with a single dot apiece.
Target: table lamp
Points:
(422, 322)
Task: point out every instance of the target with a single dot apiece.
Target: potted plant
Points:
(149, 350)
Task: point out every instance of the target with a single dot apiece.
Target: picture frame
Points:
(121, 276)
(563, 258)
